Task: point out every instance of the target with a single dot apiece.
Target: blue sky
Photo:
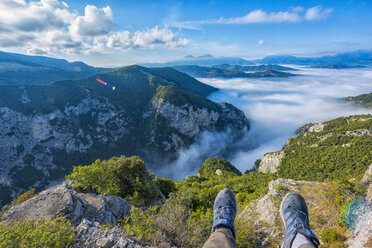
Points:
(121, 32)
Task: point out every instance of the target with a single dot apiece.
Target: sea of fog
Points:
(276, 108)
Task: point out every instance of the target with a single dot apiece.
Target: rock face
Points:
(313, 127)
(190, 121)
(270, 162)
(65, 201)
(90, 234)
(40, 144)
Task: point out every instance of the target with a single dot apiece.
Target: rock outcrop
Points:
(62, 200)
(190, 121)
(90, 234)
(270, 162)
(312, 127)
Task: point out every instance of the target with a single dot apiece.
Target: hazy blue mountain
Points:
(254, 67)
(214, 72)
(47, 129)
(19, 69)
(337, 66)
(352, 58)
(204, 60)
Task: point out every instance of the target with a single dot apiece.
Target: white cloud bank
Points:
(49, 26)
(275, 108)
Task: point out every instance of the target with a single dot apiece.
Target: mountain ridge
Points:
(19, 69)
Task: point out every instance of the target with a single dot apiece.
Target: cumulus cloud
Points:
(275, 108)
(94, 22)
(52, 26)
(260, 16)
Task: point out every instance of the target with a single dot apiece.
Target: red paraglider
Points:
(104, 83)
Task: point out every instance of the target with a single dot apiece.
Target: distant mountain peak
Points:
(189, 57)
(205, 56)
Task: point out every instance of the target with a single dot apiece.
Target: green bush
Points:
(211, 165)
(38, 233)
(330, 235)
(21, 198)
(120, 176)
(166, 186)
(174, 223)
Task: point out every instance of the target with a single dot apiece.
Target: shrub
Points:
(166, 186)
(21, 198)
(120, 176)
(174, 223)
(24, 197)
(330, 235)
(36, 233)
(211, 165)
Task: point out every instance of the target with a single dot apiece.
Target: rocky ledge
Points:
(63, 200)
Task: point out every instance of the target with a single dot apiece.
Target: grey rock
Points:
(218, 172)
(104, 242)
(270, 162)
(89, 234)
(63, 199)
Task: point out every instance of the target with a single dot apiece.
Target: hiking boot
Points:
(224, 211)
(295, 219)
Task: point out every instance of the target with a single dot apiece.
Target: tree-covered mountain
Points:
(246, 68)
(364, 100)
(46, 129)
(19, 69)
(215, 72)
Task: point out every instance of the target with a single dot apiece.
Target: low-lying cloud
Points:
(276, 108)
